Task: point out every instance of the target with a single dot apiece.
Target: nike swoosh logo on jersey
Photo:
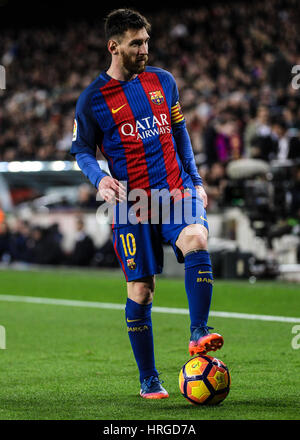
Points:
(133, 320)
(115, 110)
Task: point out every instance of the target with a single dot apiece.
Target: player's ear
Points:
(113, 47)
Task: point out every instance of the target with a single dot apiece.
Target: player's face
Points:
(133, 50)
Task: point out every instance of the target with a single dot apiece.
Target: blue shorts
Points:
(139, 247)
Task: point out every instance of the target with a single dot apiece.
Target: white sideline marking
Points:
(169, 310)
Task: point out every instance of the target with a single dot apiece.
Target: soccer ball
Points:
(204, 380)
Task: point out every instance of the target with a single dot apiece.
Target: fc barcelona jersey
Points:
(132, 122)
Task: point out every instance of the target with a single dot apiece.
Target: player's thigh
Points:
(188, 228)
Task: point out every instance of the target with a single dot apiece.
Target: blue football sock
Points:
(198, 285)
(139, 325)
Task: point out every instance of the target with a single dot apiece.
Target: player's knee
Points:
(141, 291)
(141, 294)
(198, 241)
(193, 237)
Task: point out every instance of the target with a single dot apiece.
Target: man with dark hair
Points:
(84, 248)
(119, 21)
(132, 113)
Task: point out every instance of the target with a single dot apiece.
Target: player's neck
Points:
(120, 74)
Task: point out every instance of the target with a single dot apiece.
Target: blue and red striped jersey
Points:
(134, 123)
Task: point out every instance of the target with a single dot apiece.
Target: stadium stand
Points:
(233, 65)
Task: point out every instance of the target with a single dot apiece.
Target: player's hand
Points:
(202, 194)
(111, 190)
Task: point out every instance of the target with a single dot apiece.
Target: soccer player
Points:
(132, 113)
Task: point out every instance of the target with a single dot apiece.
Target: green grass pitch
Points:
(64, 362)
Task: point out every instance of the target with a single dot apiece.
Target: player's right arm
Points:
(86, 136)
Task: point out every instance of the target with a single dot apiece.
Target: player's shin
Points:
(199, 285)
(139, 325)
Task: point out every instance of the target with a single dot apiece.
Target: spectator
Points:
(45, 246)
(223, 141)
(87, 197)
(4, 241)
(259, 127)
(106, 256)
(287, 143)
(215, 181)
(84, 248)
(19, 249)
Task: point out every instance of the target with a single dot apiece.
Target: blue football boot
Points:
(151, 388)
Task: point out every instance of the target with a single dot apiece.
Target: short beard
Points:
(133, 67)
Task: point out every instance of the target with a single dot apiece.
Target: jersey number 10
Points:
(129, 244)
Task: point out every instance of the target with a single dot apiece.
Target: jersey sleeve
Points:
(182, 138)
(176, 112)
(86, 131)
(87, 135)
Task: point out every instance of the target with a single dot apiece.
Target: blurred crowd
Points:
(28, 243)
(232, 63)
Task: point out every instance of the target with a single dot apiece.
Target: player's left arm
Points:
(183, 141)
(185, 149)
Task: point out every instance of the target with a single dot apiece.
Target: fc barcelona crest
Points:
(131, 263)
(157, 97)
